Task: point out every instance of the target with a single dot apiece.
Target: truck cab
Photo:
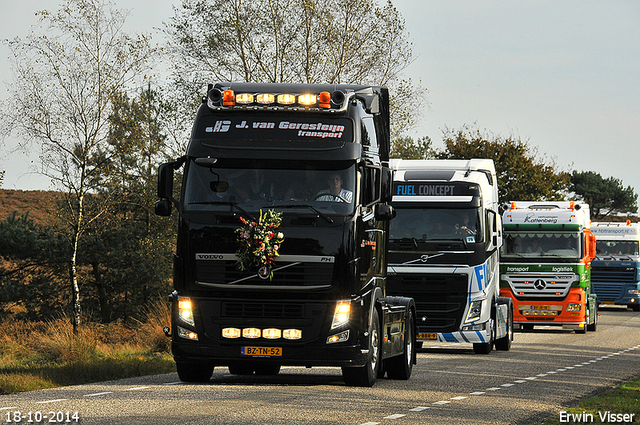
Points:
(546, 264)
(615, 271)
(283, 217)
(444, 251)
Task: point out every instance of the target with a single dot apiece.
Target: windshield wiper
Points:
(311, 207)
(233, 204)
(413, 240)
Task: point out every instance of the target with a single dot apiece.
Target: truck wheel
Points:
(636, 307)
(486, 347)
(593, 326)
(365, 376)
(194, 372)
(504, 343)
(400, 367)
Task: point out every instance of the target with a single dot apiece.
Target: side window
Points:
(371, 185)
(369, 133)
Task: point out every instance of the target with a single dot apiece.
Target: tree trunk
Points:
(75, 288)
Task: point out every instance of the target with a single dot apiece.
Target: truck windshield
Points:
(436, 224)
(608, 247)
(541, 244)
(216, 189)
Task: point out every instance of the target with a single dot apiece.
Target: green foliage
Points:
(32, 270)
(407, 148)
(605, 197)
(521, 174)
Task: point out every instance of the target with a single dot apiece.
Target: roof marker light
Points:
(307, 99)
(286, 99)
(244, 98)
(265, 98)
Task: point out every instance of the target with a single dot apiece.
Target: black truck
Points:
(283, 217)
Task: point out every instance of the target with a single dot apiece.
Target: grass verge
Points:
(47, 354)
(610, 406)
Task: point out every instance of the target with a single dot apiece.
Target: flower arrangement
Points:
(259, 242)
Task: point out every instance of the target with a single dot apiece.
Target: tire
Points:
(593, 326)
(635, 307)
(365, 376)
(194, 372)
(400, 367)
(486, 347)
(504, 343)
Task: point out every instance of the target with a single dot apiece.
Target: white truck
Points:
(444, 251)
(615, 272)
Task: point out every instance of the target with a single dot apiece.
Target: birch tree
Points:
(66, 71)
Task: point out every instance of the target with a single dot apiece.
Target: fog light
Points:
(480, 327)
(292, 334)
(251, 333)
(573, 307)
(231, 333)
(271, 333)
(187, 334)
(341, 337)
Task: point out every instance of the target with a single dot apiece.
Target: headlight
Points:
(185, 311)
(342, 314)
(634, 291)
(573, 307)
(475, 310)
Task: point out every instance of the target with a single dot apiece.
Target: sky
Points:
(564, 76)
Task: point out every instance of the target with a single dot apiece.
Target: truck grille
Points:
(263, 310)
(608, 291)
(285, 274)
(440, 299)
(613, 274)
(541, 285)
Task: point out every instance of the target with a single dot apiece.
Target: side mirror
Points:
(384, 212)
(386, 185)
(165, 180)
(163, 207)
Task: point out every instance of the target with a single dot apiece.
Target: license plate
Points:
(427, 336)
(540, 307)
(608, 302)
(261, 351)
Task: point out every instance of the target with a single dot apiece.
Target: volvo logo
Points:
(540, 284)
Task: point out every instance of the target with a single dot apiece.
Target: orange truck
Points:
(545, 265)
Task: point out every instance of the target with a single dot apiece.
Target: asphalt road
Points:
(547, 369)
